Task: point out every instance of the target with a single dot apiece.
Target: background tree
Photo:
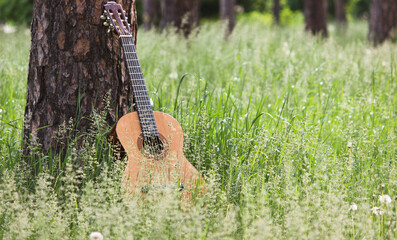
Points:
(316, 16)
(73, 65)
(228, 14)
(383, 18)
(151, 13)
(183, 14)
(340, 13)
(276, 11)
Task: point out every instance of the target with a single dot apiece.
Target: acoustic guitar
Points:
(153, 141)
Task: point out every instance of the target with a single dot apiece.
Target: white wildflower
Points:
(173, 75)
(349, 145)
(9, 29)
(353, 207)
(96, 236)
(376, 211)
(385, 199)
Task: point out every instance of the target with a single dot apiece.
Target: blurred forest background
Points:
(20, 11)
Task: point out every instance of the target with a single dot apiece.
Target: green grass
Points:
(289, 131)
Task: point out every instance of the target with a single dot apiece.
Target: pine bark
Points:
(340, 13)
(182, 14)
(151, 13)
(73, 65)
(316, 17)
(228, 14)
(383, 18)
(276, 11)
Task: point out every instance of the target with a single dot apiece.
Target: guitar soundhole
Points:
(153, 147)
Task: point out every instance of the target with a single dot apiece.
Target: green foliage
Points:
(18, 11)
(295, 136)
(358, 8)
(287, 17)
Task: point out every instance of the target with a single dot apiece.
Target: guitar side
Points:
(171, 167)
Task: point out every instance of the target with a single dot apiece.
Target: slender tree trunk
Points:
(74, 64)
(150, 13)
(276, 11)
(383, 18)
(183, 14)
(340, 13)
(228, 14)
(316, 17)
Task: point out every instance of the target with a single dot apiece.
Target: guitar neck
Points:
(139, 91)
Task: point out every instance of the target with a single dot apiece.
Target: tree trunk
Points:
(316, 17)
(228, 14)
(276, 11)
(150, 13)
(340, 13)
(382, 20)
(183, 14)
(73, 66)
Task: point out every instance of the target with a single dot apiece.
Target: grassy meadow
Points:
(296, 137)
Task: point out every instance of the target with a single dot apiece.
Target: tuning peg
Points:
(111, 27)
(105, 13)
(124, 12)
(106, 24)
(109, 30)
(103, 17)
(126, 18)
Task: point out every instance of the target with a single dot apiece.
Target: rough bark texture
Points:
(73, 64)
(383, 18)
(276, 12)
(228, 14)
(183, 14)
(316, 17)
(151, 13)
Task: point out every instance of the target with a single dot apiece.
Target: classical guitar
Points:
(153, 141)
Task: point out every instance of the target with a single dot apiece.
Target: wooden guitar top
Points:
(169, 167)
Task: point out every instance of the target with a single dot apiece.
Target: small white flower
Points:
(376, 211)
(9, 29)
(1, 110)
(353, 207)
(96, 236)
(349, 145)
(173, 75)
(385, 199)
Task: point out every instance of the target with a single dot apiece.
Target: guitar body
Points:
(145, 170)
(153, 141)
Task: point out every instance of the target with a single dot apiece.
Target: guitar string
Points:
(147, 117)
(144, 96)
(141, 97)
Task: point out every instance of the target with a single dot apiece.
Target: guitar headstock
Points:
(115, 18)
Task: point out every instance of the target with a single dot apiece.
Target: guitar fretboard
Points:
(139, 91)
